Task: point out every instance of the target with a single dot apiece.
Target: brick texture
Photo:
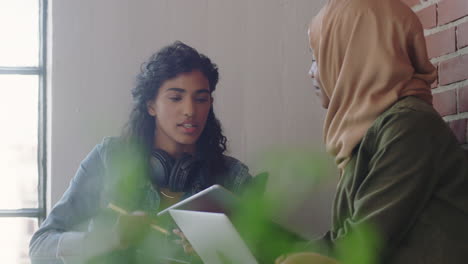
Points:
(435, 84)
(463, 99)
(459, 129)
(441, 43)
(428, 17)
(448, 41)
(445, 103)
(462, 35)
(453, 70)
(450, 10)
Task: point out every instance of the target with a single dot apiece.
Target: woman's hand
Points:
(183, 242)
(305, 258)
(109, 234)
(131, 228)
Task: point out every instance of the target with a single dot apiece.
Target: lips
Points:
(188, 127)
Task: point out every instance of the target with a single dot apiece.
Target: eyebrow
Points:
(180, 90)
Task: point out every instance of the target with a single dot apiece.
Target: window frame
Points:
(40, 212)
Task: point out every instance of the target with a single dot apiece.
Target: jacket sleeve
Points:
(61, 238)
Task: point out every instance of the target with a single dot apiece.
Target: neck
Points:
(175, 150)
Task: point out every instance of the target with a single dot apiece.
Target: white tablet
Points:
(213, 237)
(216, 199)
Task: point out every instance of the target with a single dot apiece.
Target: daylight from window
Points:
(19, 112)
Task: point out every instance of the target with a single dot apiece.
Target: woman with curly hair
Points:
(171, 148)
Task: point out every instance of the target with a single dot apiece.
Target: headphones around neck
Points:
(175, 174)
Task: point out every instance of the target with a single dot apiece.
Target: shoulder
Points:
(237, 174)
(232, 162)
(411, 119)
(235, 167)
(411, 112)
(112, 150)
(110, 143)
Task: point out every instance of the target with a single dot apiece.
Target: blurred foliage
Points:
(360, 246)
(298, 173)
(293, 174)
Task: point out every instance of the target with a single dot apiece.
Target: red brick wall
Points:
(446, 29)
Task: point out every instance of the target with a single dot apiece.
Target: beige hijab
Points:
(370, 53)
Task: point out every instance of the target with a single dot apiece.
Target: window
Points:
(22, 119)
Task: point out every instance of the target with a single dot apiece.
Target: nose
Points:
(311, 72)
(189, 108)
(313, 69)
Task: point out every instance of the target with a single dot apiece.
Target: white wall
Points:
(264, 96)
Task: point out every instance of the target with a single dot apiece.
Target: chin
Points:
(188, 141)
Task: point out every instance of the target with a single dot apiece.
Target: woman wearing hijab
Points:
(402, 170)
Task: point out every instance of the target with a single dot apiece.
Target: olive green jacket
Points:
(408, 178)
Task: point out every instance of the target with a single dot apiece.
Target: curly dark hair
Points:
(168, 63)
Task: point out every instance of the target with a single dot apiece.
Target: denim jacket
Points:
(99, 180)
